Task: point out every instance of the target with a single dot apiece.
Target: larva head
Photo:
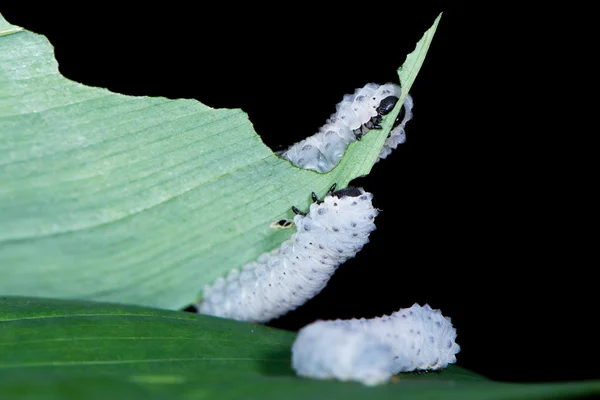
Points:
(387, 105)
(350, 191)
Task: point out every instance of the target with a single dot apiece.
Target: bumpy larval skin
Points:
(332, 232)
(416, 338)
(326, 351)
(354, 116)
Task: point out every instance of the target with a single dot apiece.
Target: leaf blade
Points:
(135, 199)
(140, 352)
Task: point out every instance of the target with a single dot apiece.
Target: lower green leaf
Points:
(59, 349)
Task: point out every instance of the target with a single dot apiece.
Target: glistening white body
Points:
(416, 338)
(332, 231)
(354, 116)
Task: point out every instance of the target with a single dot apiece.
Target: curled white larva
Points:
(325, 351)
(416, 338)
(421, 338)
(332, 231)
(355, 115)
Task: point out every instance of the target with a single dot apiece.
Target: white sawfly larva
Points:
(331, 232)
(355, 115)
(416, 338)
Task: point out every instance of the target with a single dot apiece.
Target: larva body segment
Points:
(355, 115)
(421, 338)
(331, 232)
(416, 338)
(324, 351)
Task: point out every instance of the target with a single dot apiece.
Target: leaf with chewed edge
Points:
(139, 200)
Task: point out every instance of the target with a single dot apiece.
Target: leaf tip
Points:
(7, 28)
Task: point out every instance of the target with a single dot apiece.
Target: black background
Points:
(484, 208)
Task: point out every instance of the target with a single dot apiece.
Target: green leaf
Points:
(138, 200)
(74, 350)
(6, 28)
